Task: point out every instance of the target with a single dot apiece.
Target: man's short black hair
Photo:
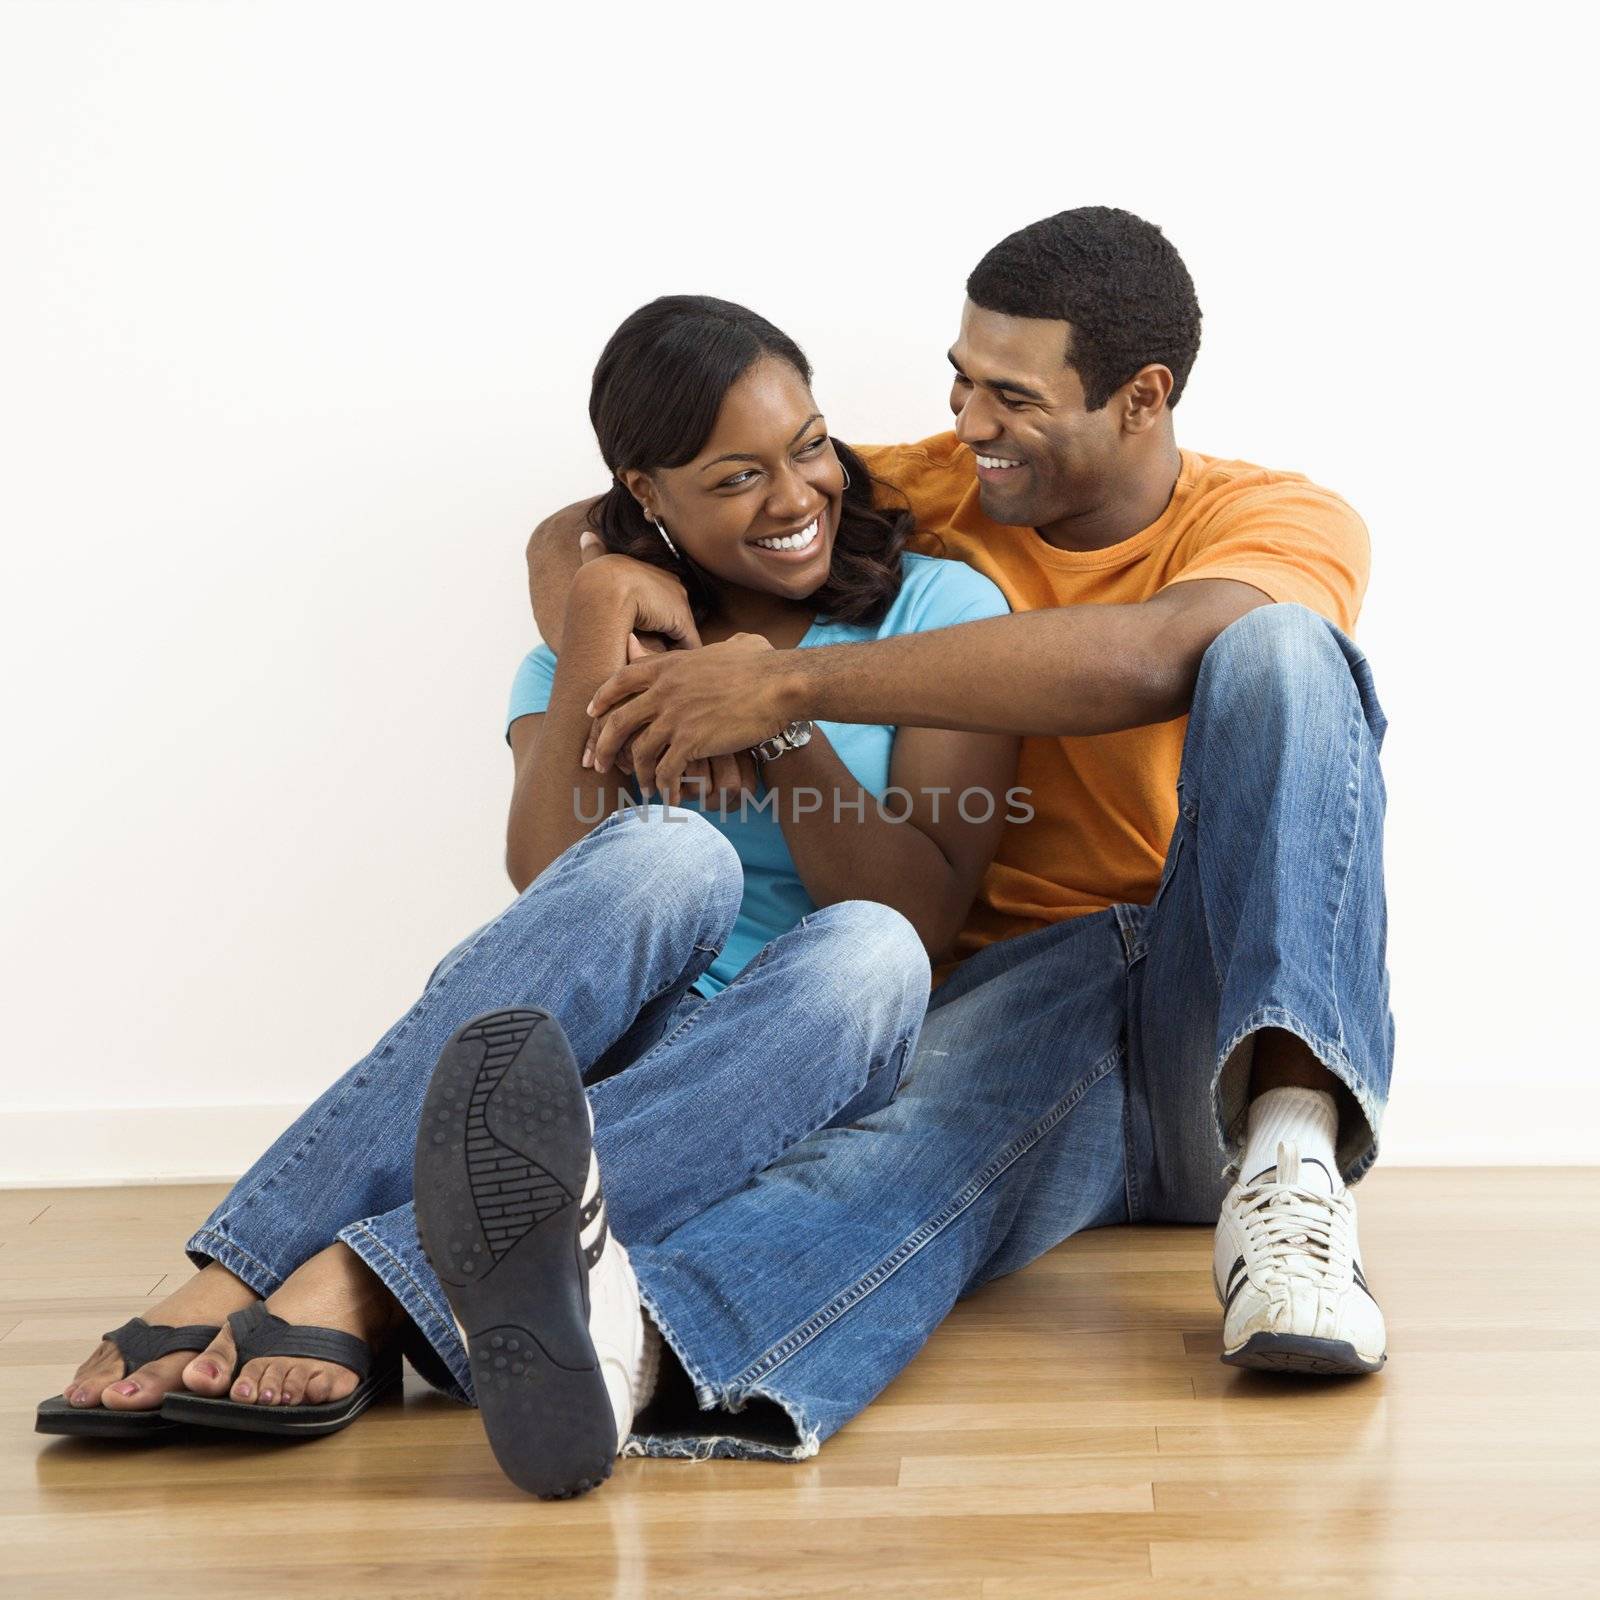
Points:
(1115, 278)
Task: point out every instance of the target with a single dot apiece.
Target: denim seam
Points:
(1141, 946)
(903, 1050)
(1331, 1054)
(440, 1328)
(1131, 1191)
(690, 1020)
(796, 1340)
(676, 1034)
(1353, 791)
(218, 1246)
(704, 1391)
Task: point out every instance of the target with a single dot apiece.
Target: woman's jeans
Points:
(1084, 1074)
(692, 1097)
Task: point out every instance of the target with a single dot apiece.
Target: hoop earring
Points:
(663, 532)
(846, 471)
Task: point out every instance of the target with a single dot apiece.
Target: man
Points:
(1174, 974)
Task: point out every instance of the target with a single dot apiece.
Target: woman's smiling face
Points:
(759, 505)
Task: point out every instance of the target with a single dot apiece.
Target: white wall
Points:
(297, 310)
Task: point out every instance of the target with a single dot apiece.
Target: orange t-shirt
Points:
(1105, 804)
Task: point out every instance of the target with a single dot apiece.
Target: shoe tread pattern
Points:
(502, 1159)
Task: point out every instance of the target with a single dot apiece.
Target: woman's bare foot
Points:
(334, 1289)
(207, 1297)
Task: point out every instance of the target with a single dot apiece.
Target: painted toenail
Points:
(266, 1394)
(244, 1389)
(209, 1368)
(125, 1388)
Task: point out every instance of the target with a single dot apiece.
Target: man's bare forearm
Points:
(1069, 671)
(553, 558)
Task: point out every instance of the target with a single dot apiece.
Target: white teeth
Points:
(793, 541)
(996, 462)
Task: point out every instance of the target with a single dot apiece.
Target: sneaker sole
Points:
(1294, 1352)
(502, 1159)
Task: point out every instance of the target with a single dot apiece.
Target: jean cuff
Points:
(709, 1397)
(211, 1244)
(443, 1363)
(1357, 1140)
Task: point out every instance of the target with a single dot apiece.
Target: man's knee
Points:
(1273, 656)
(1283, 638)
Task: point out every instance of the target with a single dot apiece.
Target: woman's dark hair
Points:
(657, 389)
(1115, 277)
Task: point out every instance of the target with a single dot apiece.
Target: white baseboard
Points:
(214, 1144)
(135, 1144)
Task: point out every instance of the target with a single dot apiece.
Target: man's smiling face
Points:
(1019, 408)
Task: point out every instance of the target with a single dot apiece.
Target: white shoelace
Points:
(1296, 1233)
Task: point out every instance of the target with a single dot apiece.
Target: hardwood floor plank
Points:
(1070, 1431)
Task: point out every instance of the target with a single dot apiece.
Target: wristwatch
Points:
(787, 738)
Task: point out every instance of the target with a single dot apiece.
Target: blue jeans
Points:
(1084, 1074)
(692, 1097)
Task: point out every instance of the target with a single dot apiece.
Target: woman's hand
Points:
(651, 600)
(676, 707)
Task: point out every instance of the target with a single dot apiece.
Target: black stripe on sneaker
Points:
(1237, 1279)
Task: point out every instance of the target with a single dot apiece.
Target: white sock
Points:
(1306, 1118)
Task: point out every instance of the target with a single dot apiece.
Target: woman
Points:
(727, 981)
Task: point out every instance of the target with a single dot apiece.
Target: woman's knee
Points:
(660, 856)
(874, 961)
(672, 839)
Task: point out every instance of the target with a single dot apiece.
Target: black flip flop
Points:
(139, 1343)
(257, 1332)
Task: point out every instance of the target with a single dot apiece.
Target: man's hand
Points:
(717, 782)
(687, 704)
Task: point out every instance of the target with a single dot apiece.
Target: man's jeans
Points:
(1084, 1074)
(692, 1097)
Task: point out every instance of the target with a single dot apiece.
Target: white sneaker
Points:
(512, 1218)
(1287, 1270)
(626, 1345)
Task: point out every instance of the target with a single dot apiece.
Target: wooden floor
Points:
(1068, 1432)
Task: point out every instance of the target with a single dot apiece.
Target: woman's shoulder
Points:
(540, 662)
(936, 592)
(535, 677)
